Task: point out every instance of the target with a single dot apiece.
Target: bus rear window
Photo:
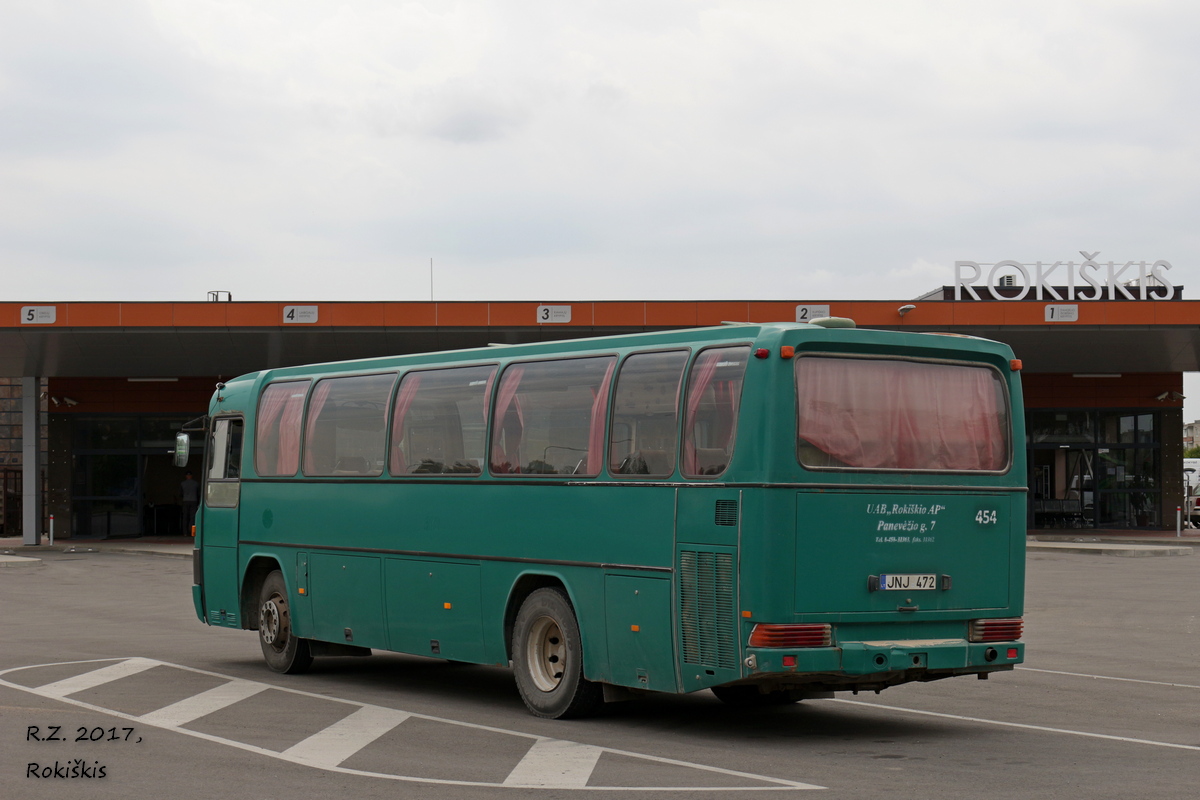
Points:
(895, 414)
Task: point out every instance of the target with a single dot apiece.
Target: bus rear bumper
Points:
(912, 657)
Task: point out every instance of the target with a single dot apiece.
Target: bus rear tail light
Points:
(791, 636)
(996, 630)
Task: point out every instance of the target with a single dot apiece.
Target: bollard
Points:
(1178, 521)
(52, 530)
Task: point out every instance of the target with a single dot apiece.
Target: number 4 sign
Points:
(299, 314)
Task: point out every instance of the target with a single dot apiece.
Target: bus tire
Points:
(283, 651)
(548, 658)
(751, 697)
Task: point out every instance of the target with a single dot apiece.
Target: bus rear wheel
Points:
(751, 697)
(548, 658)
(282, 649)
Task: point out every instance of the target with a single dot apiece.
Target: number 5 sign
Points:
(39, 315)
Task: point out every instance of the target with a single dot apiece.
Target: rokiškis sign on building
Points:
(1086, 280)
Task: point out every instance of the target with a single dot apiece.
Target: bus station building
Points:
(92, 393)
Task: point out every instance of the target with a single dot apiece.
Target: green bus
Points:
(771, 511)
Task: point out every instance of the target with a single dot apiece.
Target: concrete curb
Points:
(1108, 549)
(19, 561)
(168, 551)
(133, 551)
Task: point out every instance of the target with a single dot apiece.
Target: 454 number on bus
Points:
(986, 516)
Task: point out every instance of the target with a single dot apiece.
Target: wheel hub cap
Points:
(547, 654)
(268, 622)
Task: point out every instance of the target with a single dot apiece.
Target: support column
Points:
(31, 461)
(1170, 434)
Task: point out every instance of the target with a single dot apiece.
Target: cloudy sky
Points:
(304, 149)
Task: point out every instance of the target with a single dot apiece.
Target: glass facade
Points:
(123, 481)
(1094, 468)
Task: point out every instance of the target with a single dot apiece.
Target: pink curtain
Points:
(877, 414)
(727, 395)
(487, 393)
(404, 400)
(278, 421)
(503, 428)
(266, 427)
(596, 432)
(314, 412)
(289, 431)
(702, 374)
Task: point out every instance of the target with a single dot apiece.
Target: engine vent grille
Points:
(726, 512)
(226, 619)
(706, 610)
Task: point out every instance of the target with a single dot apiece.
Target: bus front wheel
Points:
(283, 650)
(548, 658)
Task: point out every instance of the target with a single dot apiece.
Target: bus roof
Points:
(793, 332)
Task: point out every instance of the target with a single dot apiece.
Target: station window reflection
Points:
(1094, 468)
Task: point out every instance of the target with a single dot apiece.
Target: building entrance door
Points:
(124, 483)
(1063, 487)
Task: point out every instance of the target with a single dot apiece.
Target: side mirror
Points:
(183, 449)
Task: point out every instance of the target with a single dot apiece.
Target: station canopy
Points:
(72, 339)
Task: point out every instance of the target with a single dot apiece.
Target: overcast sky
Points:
(313, 150)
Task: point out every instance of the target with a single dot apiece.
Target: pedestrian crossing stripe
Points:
(547, 763)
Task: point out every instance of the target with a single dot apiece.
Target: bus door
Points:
(219, 525)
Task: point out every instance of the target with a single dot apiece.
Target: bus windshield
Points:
(899, 414)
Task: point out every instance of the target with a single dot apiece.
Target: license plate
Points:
(907, 582)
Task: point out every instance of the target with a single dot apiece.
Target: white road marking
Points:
(97, 677)
(555, 764)
(201, 705)
(344, 738)
(1109, 678)
(307, 757)
(1022, 725)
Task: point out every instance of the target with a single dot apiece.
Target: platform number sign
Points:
(299, 314)
(1055, 313)
(39, 315)
(549, 315)
(809, 313)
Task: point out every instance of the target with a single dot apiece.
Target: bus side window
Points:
(344, 430)
(549, 417)
(646, 413)
(438, 422)
(277, 428)
(710, 424)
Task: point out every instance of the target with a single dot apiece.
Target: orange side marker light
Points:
(1015, 365)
